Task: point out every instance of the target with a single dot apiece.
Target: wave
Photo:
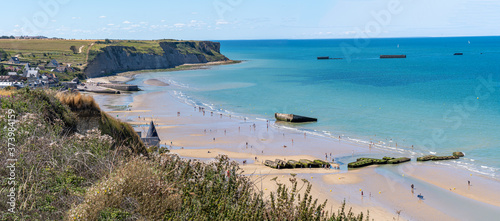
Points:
(464, 163)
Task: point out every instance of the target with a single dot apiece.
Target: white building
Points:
(30, 72)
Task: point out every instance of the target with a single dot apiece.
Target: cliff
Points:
(130, 56)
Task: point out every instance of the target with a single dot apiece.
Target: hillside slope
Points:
(120, 57)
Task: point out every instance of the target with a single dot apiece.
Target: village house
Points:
(52, 64)
(10, 80)
(14, 60)
(151, 138)
(30, 72)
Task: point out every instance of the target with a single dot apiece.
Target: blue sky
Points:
(250, 19)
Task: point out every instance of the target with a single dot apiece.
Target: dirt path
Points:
(80, 50)
(88, 50)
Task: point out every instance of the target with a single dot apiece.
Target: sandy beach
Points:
(384, 191)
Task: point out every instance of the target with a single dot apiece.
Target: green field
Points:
(40, 51)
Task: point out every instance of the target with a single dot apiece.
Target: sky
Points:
(249, 19)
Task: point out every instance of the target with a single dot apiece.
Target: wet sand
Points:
(155, 82)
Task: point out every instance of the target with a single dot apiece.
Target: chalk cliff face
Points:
(113, 59)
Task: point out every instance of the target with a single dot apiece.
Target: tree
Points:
(3, 71)
(74, 49)
(3, 55)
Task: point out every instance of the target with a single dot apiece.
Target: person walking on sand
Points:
(412, 186)
(468, 182)
(361, 193)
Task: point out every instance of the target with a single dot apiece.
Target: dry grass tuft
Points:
(7, 91)
(78, 101)
(136, 188)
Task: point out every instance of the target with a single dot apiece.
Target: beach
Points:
(384, 190)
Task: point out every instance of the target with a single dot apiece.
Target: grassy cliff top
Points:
(41, 51)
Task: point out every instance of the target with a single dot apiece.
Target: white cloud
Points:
(126, 22)
(16, 26)
(53, 20)
(179, 25)
(74, 18)
(111, 24)
(162, 20)
(221, 22)
(102, 16)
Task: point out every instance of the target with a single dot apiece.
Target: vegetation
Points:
(3, 55)
(63, 172)
(73, 49)
(303, 163)
(363, 162)
(38, 51)
(455, 156)
(3, 71)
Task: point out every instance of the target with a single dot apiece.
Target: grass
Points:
(43, 50)
(66, 174)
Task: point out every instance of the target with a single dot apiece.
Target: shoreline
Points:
(184, 67)
(186, 130)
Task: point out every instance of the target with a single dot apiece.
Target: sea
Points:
(431, 102)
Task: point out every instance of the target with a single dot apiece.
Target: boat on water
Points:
(393, 56)
(293, 118)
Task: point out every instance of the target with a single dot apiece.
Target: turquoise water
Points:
(432, 100)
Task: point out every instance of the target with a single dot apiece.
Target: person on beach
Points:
(468, 181)
(361, 193)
